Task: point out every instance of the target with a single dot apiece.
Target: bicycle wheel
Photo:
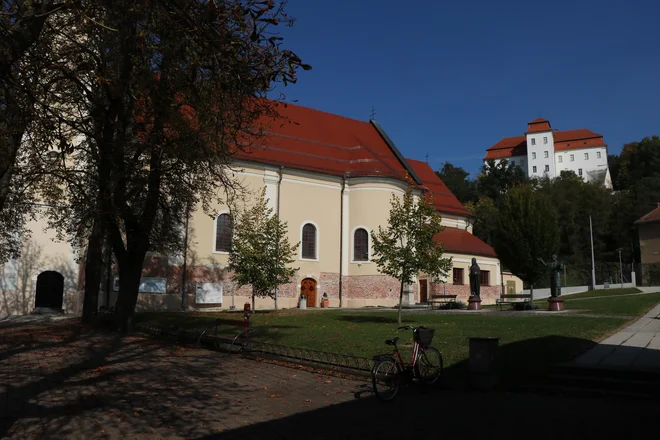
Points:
(429, 365)
(385, 379)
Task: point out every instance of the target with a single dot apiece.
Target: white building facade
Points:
(544, 152)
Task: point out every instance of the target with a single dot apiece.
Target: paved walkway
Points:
(61, 380)
(635, 347)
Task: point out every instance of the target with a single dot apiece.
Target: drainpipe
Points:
(279, 186)
(184, 303)
(341, 242)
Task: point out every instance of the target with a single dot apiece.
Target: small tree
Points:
(407, 246)
(527, 229)
(261, 252)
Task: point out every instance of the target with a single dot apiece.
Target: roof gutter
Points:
(396, 151)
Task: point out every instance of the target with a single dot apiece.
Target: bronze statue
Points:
(475, 279)
(556, 268)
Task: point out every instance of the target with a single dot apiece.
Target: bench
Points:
(511, 299)
(442, 299)
(244, 327)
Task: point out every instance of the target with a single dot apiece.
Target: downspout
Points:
(341, 242)
(184, 303)
(277, 212)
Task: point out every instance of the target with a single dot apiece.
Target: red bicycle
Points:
(390, 371)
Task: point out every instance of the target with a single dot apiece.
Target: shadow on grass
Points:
(523, 360)
(366, 318)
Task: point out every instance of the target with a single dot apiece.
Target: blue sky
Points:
(451, 78)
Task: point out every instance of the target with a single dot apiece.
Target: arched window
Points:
(360, 245)
(309, 241)
(223, 233)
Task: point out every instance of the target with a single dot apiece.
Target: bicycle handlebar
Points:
(410, 327)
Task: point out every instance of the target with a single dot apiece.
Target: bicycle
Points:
(390, 371)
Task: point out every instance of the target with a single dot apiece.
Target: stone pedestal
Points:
(482, 363)
(556, 304)
(408, 296)
(474, 303)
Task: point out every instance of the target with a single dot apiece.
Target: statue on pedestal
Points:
(475, 279)
(556, 268)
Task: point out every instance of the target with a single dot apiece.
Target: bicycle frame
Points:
(417, 350)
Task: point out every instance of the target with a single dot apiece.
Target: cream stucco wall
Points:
(368, 208)
(510, 278)
(462, 261)
(41, 251)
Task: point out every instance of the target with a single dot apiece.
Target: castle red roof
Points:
(575, 139)
(564, 140)
(538, 125)
(461, 241)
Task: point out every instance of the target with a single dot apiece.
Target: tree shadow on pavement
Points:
(98, 384)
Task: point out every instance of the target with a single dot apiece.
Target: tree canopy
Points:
(459, 183)
(635, 175)
(261, 254)
(147, 101)
(527, 229)
(407, 246)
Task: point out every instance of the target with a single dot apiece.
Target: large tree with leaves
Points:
(26, 35)
(497, 178)
(527, 230)
(459, 183)
(261, 254)
(408, 245)
(164, 93)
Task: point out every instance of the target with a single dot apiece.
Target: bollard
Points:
(483, 362)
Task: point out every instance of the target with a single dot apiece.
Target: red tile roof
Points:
(564, 140)
(313, 140)
(651, 217)
(575, 139)
(443, 199)
(507, 147)
(538, 125)
(316, 141)
(461, 241)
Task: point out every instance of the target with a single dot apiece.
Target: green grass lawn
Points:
(607, 292)
(614, 305)
(526, 341)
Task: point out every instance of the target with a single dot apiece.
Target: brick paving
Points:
(62, 381)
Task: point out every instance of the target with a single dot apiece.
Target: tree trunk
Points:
(531, 292)
(253, 309)
(130, 272)
(400, 302)
(93, 268)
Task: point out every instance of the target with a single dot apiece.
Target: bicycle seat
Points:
(392, 341)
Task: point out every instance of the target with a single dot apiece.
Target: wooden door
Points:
(423, 291)
(308, 288)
